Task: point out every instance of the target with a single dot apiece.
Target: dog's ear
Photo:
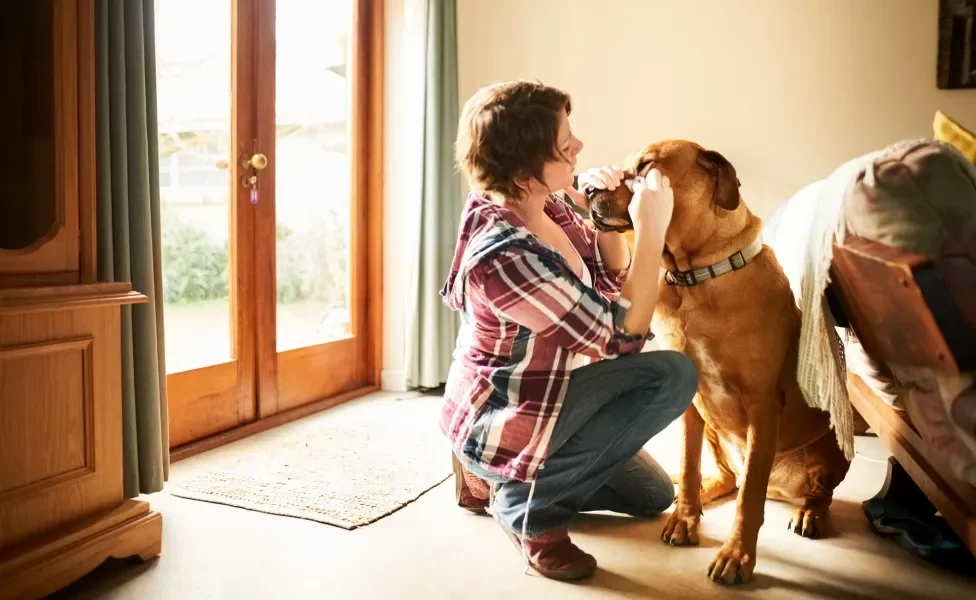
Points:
(726, 195)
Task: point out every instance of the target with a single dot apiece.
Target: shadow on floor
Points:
(111, 573)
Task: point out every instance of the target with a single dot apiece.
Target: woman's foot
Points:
(553, 555)
(472, 492)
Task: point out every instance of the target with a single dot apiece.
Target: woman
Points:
(537, 288)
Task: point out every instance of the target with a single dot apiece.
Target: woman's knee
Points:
(658, 502)
(654, 499)
(657, 488)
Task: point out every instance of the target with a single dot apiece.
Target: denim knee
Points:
(659, 502)
(655, 500)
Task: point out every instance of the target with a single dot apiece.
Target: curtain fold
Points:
(432, 328)
(128, 223)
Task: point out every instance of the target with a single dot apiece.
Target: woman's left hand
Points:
(603, 178)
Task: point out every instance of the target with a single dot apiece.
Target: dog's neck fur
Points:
(680, 255)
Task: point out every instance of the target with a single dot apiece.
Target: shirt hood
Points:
(485, 231)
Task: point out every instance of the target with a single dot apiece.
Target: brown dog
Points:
(738, 322)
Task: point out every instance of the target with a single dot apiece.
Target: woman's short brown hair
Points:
(507, 132)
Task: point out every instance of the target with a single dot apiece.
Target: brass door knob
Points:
(222, 164)
(259, 161)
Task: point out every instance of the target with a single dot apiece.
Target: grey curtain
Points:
(129, 227)
(432, 328)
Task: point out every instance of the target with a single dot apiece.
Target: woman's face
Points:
(558, 174)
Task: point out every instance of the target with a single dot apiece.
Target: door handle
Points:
(251, 165)
(256, 162)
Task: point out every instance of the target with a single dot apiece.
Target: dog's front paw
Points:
(733, 564)
(682, 527)
(805, 522)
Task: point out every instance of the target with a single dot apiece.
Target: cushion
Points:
(919, 196)
(945, 129)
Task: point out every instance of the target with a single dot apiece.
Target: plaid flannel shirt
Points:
(524, 316)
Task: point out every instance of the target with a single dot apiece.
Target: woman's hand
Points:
(651, 210)
(603, 178)
(652, 204)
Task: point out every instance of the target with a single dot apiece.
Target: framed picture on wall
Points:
(957, 44)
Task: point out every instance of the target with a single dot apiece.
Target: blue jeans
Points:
(596, 460)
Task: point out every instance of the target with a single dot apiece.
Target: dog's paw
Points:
(682, 527)
(806, 522)
(733, 564)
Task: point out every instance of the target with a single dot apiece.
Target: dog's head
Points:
(705, 185)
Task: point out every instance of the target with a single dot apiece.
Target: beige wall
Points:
(787, 91)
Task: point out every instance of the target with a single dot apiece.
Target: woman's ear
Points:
(524, 185)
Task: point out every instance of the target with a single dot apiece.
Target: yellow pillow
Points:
(947, 130)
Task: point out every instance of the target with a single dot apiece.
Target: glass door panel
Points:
(205, 104)
(265, 111)
(193, 54)
(313, 176)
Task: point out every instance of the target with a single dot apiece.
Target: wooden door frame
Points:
(258, 407)
(221, 397)
(243, 133)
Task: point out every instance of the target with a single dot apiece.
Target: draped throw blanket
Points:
(802, 233)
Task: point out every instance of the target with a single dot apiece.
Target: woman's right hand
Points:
(652, 204)
(650, 209)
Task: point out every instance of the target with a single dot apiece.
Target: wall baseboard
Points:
(393, 380)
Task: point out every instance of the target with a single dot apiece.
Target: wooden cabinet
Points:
(62, 506)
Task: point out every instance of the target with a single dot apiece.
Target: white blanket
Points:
(802, 234)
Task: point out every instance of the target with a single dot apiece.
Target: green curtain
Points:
(432, 328)
(129, 227)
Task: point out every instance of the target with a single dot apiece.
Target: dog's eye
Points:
(589, 191)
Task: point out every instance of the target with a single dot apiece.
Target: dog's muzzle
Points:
(608, 223)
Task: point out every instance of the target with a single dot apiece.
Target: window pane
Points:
(193, 54)
(312, 171)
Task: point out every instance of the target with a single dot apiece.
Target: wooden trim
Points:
(954, 499)
(202, 402)
(367, 185)
(239, 433)
(83, 344)
(315, 372)
(358, 75)
(265, 244)
(40, 279)
(132, 530)
(65, 131)
(87, 185)
(242, 219)
(23, 300)
(375, 197)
